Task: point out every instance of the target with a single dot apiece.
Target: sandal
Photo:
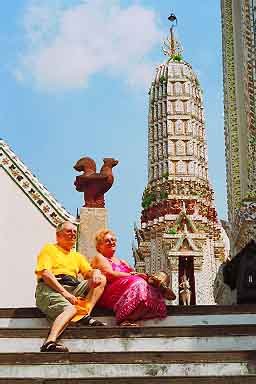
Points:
(128, 323)
(52, 346)
(89, 321)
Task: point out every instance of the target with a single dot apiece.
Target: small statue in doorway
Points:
(185, 292)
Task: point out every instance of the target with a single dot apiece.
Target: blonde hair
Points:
(100, 236)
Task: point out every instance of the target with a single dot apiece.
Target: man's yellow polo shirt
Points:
(58, 261)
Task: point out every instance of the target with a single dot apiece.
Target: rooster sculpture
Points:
(94, 185)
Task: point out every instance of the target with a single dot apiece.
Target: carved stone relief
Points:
(181, 167)
(169, 107)
(155, 152)
(178, 89)
(179, 106)
(190, 147)
(191, 168)
(160, 151)
(180, 148)
(156, 173)
(170, 127)
(187, 88)
(165, 148)
(179, 127)
(171, 167)
(189, 127)
(164, 129)
(171, 147)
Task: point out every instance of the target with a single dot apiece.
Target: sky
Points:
(74, 81)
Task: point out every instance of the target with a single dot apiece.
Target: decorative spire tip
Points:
(172, 47)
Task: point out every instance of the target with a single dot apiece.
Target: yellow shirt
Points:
(58, 261)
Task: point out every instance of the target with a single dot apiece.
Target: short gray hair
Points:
(60, 226)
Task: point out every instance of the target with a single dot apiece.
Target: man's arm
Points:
(95, 276)
(53, 283)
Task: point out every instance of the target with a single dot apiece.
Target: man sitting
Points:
(58, 288)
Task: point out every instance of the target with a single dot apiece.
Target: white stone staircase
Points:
(200, 344)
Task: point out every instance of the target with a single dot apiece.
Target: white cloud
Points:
(66, 44)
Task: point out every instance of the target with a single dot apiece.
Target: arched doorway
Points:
(186, 264)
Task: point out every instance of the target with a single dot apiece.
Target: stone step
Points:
(170, 321)
(138, 380)
(96, 370)
(178, 316)
(33, 312)
(171, 367)
(87, 332)
(128, 357)
(86, 339)
(200, 344)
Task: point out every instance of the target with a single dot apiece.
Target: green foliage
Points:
(163, 195)
(172, 231)
(252, 140)
(176, 57)
(249, 197)
(162, 79)
(197, 82)
(147, 199)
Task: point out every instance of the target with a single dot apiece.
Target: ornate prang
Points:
(239, 61)
(179, 223)
(94, 185)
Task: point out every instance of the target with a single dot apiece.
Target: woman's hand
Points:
(96, 277)
(140, 274)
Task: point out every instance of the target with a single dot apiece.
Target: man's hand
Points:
(96, 277)
(71, 298)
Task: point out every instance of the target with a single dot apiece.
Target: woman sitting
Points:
(129, 294)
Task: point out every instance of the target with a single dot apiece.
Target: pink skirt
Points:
(128, 294)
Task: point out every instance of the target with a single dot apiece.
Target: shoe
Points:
(52, 346)
(89, 321)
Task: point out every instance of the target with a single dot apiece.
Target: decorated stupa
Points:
(180, 231)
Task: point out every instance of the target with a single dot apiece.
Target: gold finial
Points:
(172, 47)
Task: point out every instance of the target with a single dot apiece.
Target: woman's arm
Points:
(101, 263)
(133, 272)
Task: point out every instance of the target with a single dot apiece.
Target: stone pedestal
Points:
(92, 220)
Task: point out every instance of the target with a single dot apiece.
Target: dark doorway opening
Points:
(186, 265)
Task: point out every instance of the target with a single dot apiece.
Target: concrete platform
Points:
(138, 380)
(204, 344)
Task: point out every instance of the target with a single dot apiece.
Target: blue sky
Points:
(74, 82)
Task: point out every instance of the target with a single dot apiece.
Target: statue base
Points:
(92, 220)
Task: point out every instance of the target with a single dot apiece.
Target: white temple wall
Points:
(24, 231)
(204, 278)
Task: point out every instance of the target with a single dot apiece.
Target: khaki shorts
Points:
(52, 303)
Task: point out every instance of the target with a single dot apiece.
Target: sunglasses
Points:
(110, 240)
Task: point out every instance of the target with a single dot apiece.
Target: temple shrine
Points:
(180, 231)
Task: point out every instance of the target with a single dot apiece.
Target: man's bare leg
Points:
(92, 297)
(95, 293)
(61, 322)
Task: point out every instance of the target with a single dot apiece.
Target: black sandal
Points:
(89, 321)
(52, 346)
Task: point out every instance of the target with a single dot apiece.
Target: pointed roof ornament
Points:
(172, 47)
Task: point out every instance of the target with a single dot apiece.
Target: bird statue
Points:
(94, 185)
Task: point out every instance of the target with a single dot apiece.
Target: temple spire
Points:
(172, 47)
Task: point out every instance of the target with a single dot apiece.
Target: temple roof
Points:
(35, 191)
